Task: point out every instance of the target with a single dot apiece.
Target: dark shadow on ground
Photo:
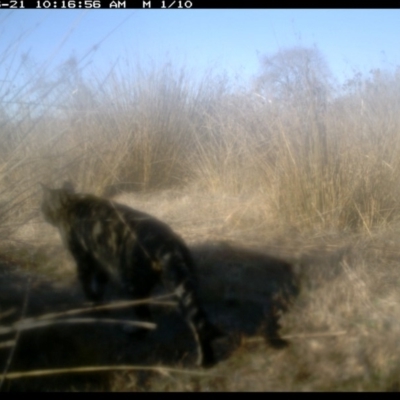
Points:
(244, 292)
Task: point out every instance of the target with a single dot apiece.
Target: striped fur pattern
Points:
(112, 241)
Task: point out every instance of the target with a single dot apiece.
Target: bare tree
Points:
(298, 79)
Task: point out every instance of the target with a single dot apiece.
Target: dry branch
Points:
(44, 372)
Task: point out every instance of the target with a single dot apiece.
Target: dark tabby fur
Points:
(110, 240)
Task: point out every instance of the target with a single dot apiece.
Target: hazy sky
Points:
(225, 40)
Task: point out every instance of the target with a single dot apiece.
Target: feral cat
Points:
(110, 240)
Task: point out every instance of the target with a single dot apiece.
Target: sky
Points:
(226, 41)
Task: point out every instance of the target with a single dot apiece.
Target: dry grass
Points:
(341, 327)
(248, 184)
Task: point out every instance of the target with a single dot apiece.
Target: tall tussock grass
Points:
(333, 167)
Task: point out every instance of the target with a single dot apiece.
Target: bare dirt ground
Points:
(300, 312)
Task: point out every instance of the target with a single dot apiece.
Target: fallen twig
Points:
(300, 336)
(7, 343)
(24, 326)
(109, 306)
(44, 372)
(8, 312)
(44, 320)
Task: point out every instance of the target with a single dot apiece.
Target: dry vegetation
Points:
(309, 175)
